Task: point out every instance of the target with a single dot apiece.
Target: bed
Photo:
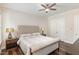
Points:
(34, 43)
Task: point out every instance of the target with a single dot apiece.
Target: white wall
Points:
(65, 26)
(1, 28)
(12, 18)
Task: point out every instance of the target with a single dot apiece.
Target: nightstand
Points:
(10, 43)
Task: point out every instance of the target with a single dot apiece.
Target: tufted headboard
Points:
(24, 29)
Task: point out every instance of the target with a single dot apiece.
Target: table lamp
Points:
(42, 29)
(9, 30)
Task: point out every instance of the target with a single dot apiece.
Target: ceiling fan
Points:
(47, 7)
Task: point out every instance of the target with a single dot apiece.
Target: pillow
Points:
(34, 34)
(26, 35)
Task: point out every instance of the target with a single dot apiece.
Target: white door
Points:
(52, 27)
(60, 28)
(57, 27)
(76, 27)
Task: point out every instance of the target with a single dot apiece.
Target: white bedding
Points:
(35, 42)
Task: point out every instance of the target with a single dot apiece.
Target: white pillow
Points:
(34, 34)
(26, 35)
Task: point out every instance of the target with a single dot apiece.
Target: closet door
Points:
(57, 27)
(60, 28)
(76, 27)
(52, 27)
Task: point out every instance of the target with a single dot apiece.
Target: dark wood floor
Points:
(64, 49)
(70, 48)
(17, 51)
(12, 51)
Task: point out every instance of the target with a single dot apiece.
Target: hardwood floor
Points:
(13, 51)
(17, 51)
(70, 48)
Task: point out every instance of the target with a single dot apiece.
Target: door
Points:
(57, 27)
(60, 30)
(76, 27)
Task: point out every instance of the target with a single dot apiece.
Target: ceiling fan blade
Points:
(52, 9)
(41, 9)
(52, 5)
(47, 4)
(43, 6)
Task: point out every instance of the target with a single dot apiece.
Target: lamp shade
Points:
(9, 29)
(42, 29)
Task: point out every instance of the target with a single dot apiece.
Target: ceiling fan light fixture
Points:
(47, 9)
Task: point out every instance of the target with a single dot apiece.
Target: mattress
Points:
(35, 43)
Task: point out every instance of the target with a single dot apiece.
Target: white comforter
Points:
(35, 43)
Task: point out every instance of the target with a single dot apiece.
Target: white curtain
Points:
(0, 28)
(0, 32)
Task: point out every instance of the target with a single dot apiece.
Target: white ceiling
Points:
(34, 7)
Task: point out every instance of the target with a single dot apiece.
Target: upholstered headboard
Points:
(24, 29)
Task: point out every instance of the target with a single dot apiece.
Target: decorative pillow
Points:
(26, 35)
(34, 34)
